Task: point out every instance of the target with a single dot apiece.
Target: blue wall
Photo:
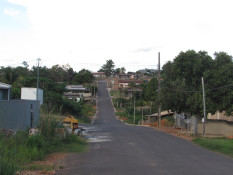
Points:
(19, 114)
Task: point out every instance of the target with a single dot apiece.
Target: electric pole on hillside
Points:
(37, 84)
(159, 92)
(204, 107)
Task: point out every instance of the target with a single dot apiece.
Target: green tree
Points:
(83, 76)
(108, 68)
(150, 90)
(181, 82)
(218, 78)
(120, 70)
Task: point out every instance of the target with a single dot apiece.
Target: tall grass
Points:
(47, 125)
(21, 148)
(7, 162)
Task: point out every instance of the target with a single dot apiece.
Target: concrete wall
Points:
(220, 116)
(219, 128)
(19, 114)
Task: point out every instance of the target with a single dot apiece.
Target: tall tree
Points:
(108, 68)
(220, 80)
(83, 76)
(181, 84)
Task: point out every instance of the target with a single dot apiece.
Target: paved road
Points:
(119, 149)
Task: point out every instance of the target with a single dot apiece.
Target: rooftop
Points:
(4, 86)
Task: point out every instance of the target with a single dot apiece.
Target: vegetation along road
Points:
(116, 148)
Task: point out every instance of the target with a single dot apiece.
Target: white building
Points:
(31, 94)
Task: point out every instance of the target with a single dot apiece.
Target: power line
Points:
(193, 91)
(20, 63)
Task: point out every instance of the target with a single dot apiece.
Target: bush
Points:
(21, 148)
(37, 146)
(47, 125)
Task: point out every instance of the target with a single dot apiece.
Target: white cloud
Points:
(91, 31)
(11, 12)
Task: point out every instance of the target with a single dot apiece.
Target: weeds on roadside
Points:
(7, 162)
(21, 148)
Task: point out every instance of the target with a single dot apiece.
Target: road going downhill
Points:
(119, 149)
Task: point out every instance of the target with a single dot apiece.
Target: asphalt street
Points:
(120, 149)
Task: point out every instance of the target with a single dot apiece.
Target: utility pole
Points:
(159, 93)
(203, 90)
(150, 106)
(37, 84)
(134, 112)
(130, 106)
(142, 113)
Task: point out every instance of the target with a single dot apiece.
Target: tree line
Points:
(181, 86)
(52, 80)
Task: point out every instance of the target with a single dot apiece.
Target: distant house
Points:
(5, 90)
(131, 91)
(164, 114)
(99, 74)
(77, 92)
(126, 83)
(126, 76)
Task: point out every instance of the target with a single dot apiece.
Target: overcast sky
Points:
(86, 33)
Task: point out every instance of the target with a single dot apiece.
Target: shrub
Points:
(47, 125)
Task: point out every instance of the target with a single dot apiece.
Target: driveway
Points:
(119, 149)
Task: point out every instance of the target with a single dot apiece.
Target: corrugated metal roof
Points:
(4, 86)
(162, 113)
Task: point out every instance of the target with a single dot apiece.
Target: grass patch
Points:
(75, 144)
(19, 150)
(222, 145)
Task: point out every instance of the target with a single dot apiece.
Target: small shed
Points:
(5, 90)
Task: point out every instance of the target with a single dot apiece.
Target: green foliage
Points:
(87, 112)
(73, 143)
(150, 90)
(7, 161)
(47, 125)
(83, 76)
(128, 115)
(15, 93)
(108, 68)
(21, 148)
(221, 145)
(181, 83)
(221, 74)
(36, 141)
(120, 70)
(70, 106)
